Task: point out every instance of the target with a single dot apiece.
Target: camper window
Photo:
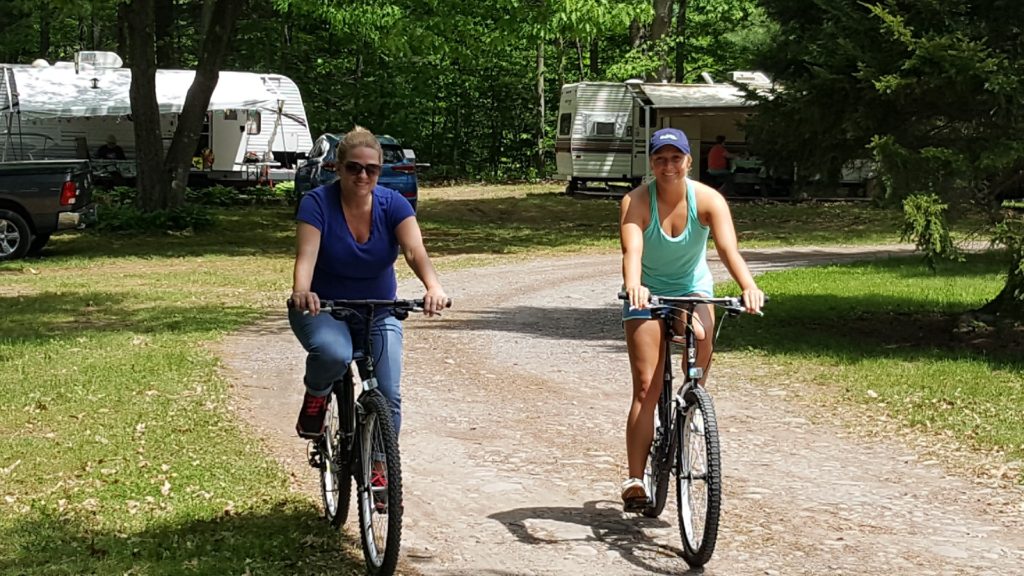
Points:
(565, 124)
(253, 121)
(606, 124)
(604, 129)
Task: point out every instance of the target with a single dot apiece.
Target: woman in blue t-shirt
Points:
(349, 234)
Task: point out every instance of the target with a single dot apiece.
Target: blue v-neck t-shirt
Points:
(346, 269)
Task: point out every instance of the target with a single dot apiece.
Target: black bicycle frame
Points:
(665, 403)
(346, 396)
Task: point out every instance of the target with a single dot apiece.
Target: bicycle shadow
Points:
(608, 527)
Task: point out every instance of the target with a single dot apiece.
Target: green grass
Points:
(890, 328)
(121, 452)
(539, 218)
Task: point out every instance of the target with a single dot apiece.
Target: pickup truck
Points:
(38, 198)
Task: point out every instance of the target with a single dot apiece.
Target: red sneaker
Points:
(311, 416)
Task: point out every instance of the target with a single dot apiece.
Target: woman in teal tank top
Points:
(664, 229)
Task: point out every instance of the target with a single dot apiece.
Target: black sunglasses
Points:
(354, 168)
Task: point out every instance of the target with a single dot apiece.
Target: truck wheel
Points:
(15, 236)
(38, 241)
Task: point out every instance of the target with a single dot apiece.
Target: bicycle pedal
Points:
(635, 505)
(316, 459)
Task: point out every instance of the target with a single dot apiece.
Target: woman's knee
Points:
(643, 384)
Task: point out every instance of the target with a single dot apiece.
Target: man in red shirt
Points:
(718, 164)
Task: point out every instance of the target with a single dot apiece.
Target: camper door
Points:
(640, 136)
(228, 136)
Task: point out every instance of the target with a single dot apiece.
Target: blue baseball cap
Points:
(670, 137)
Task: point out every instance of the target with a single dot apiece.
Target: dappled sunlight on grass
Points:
(890, 329)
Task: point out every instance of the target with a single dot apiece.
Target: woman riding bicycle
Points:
(349, 235)
(664, 230)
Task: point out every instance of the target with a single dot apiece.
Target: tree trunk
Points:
(97, 33)
(579, 58)
(206, 16)
(211, 57)
(44, 34)
(680, 75)
(540, 109)
(153, 186)
(560, 47)
(595, 68)
(659, 31)
(122, 33)
(165, 52)
(1010, 301)
(636, 34)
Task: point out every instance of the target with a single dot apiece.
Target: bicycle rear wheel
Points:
(335, 472)
(380, 486)
(698, 477)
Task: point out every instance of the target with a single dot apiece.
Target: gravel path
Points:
(513, 446)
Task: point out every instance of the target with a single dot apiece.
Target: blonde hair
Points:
(358, 137)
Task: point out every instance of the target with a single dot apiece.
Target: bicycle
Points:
(359, 442)
(686, 442)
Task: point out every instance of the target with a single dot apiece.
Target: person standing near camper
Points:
(718, 163)
(110, 150)
(349, 235)
(664, 231)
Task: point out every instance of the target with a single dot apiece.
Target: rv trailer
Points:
(604, 127)
(254, 130)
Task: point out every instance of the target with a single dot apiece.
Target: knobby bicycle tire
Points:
(336, 471)
(698, 422)
(377, 431)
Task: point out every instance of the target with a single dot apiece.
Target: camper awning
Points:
(58, 91)
(695, 97)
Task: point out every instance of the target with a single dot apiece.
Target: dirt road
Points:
(513, 447)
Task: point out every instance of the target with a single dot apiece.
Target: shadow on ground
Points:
(605, 527)
(282, 542)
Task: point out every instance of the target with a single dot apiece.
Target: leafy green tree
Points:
(933, 91)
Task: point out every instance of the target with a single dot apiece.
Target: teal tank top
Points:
(676, 266)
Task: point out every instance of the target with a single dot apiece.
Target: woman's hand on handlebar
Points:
(753, 300)
(434, 301)
(306, 301)
(639, 296)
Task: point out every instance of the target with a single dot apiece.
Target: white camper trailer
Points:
(287, 137)
(604, 127)
(255, 128)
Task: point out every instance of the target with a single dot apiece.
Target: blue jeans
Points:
(329, 343)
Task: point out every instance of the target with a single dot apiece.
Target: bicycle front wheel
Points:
(379, 486)
(698, 477)
(335, 472)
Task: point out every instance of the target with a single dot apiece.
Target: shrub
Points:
(924, 224)
(128, 218)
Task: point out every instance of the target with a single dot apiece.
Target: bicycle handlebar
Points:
(400, 305)
(730, 303)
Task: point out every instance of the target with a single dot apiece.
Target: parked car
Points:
(38, 198)
(398, 171)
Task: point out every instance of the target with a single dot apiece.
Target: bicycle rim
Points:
(335, 481)
(698, 478)
(380, 507)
